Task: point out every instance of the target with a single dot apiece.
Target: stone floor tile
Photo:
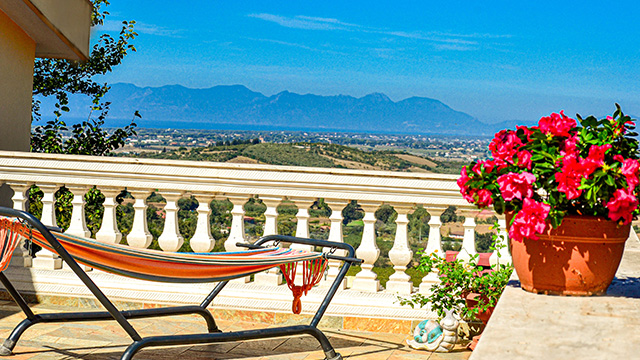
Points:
(261, 347)
(290, 356)
(299, 344)
(221, 348)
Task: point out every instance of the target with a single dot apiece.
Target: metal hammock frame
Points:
(214, 335)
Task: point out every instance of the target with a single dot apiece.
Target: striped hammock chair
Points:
(173, 267)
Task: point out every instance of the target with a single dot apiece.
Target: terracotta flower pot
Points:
(580, 257)
(472, 301)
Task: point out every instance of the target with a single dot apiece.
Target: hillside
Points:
(306, 154)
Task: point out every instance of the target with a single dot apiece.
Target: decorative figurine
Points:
(431, 336)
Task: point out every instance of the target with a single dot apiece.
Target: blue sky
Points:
(496, 60)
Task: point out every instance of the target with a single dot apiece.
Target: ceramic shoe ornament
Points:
(431, 336)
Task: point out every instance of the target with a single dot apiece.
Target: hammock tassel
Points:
(10, 234)
(312, 272)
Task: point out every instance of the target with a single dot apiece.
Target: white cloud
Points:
(141, 28)
(440, 40)
(306, 22)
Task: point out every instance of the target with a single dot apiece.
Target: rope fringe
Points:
(312, 272)
(10, 235)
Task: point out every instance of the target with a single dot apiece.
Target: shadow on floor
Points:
(625, 287)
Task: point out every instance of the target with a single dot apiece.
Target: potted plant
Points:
(569, 191)
(466, 287)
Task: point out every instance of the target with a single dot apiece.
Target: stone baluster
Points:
(109, 232)
(202, 241)
(434, 245)
(45, 259)
(78, 223)
(302, 216)
(502, 240)
(400, 254)
(366, 279)
(272, 276)
(335, 234)
(236, 234)
(139, 236)
(469, 240)
(20, 257)
(171, 240)
(302, 230)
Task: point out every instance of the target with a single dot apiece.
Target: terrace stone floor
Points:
(106, 340)
(568, 327)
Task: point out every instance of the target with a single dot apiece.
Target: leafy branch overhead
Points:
(59, 78)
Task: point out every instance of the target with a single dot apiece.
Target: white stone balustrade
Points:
(272, 276)
(171, 240)
(109, 232)
(366, 279)
(400, 254)
(468, 249)
(238, 183)
(202, 241)
(78, 225)
(434, 244)
(45, 259)
(139, 236)
(236, 234)
(335, 235)
(20, 256)
(502, 245)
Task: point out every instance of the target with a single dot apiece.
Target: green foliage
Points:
(352, 212)
(320, 209)
(282, 154)
(59, 78)
(484, 242)
(449, 215)
(457, 280)
(418, 226)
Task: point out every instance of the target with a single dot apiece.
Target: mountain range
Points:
(237, 107)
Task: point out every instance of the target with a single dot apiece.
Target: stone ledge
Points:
(530, 326)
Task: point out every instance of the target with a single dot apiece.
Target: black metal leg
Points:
(15, 295)
(7, 347)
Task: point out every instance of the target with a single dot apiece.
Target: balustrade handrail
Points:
(433, 190)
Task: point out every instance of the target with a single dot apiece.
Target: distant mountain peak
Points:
(226, 105)
(376, 96)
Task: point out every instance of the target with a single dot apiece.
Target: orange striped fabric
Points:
(156, 265)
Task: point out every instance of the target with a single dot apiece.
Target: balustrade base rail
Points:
(61, 287)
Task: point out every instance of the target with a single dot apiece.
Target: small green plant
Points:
(459, 279)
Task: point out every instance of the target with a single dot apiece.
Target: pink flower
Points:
(570, 147)
(524, 159)
(462, 180)
(530, 221)
(505, 145)
(595, 159)
(622, 205)
(569, 177)
(484, 198)
(557, 124)
(518, 186)
(630, 169)
(526, 130)
(467, 193)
